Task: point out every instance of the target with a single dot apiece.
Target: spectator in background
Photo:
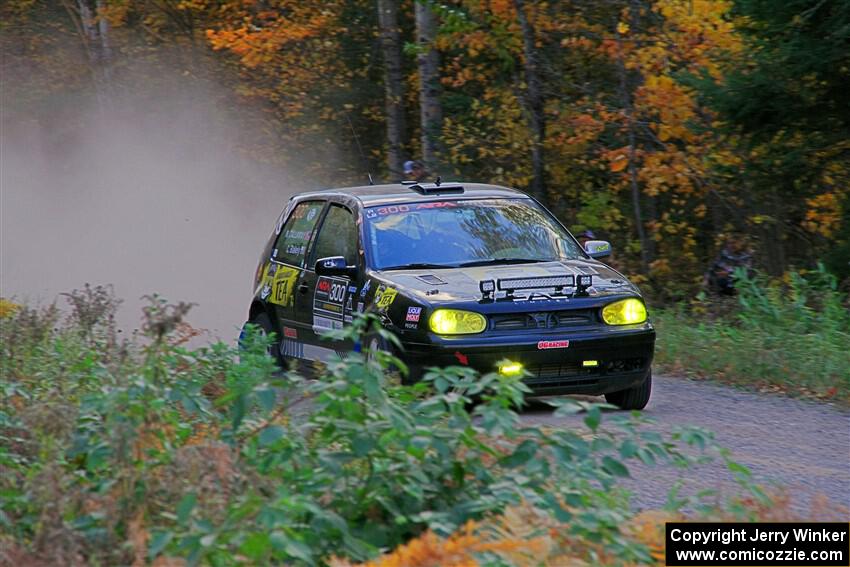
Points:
(734, 254)
(414, 170)
(585, 236)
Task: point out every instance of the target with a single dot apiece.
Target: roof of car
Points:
(404, 193)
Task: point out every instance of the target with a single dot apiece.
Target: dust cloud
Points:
(148, 193)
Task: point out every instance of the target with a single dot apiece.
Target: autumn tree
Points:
(428, 61)
(391, 47)
(786, 108)
(533, 99)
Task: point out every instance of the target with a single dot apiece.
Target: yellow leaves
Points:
(7, 308)
(824, 214)
(623, 28)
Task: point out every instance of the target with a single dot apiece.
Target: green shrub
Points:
(791, 334)
(115, 452)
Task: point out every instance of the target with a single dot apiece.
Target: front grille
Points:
(556, 371)
(625, 365)
(571, 372)
(542, 386)
(542, 320)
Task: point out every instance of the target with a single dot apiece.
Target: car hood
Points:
(462, 284)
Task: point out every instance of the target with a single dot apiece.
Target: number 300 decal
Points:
(337, 293)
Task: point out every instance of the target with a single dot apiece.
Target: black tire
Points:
(264, 322)
(634, 398)
(375, 342)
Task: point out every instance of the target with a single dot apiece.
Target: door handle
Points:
(303, 288)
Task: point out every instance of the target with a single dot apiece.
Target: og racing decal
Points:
(329, 303)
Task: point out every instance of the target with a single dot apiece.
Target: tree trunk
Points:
(390, 37)
(625, 97)
(431, 109)
(94, 35)
(534, 103)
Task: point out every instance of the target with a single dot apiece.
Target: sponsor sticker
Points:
(329, 303)
(321, 324)
(396, 209)
(365, 289)
(281, 285)
(543, 345)
(413, 314)
(265, 292)
(384, 297)
(290, 333)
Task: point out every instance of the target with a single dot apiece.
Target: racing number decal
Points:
(328, 303)
(281, 284)
(336, 293)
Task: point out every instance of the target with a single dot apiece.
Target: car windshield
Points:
(464, 233)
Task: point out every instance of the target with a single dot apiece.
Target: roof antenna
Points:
(359, 147)
(438, 181)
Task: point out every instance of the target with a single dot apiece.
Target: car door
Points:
(326, 303)
(288, 257)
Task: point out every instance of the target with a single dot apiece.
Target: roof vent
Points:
(431, 188)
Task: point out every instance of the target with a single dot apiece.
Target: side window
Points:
(338, 236)
(291, 245)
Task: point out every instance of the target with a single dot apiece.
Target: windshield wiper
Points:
(419, 266)
(493, 261)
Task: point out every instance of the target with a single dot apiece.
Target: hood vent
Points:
(431, 279)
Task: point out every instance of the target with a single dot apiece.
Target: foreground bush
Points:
(119, 452)
(791, 335)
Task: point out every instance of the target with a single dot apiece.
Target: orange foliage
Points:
(458, 550)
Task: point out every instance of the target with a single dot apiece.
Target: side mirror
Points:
(335, 266)
(597, 248)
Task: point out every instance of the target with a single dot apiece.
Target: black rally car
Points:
(465, 275)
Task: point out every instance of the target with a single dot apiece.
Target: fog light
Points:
(511, 369)
(589, 363)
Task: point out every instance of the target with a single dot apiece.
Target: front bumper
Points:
(623, 356)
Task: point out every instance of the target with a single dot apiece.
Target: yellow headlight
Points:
(626, 312)
(456, 322)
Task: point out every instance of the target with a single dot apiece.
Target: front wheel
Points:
(374, 343)
(634, 398)
(264, 324)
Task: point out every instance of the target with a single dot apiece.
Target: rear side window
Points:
(291, 245)
(338, 236)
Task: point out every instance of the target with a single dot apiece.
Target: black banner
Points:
(765, 544)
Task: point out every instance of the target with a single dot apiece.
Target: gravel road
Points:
(801, 446)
